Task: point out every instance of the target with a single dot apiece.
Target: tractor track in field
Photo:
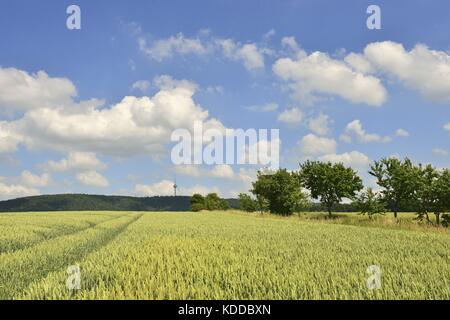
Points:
(11, 287)
(91, 225)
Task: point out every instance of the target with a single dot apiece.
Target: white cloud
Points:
(269, 34)
(141, 85)
(440, 152)
(268, 107)
(222, 171)
(165, 188)
(320, 124)
(21, 91)
(402, 133)
(167, 48)
(354, 159)
(215, 89)
(359, 62)
(92, 179)
(31, 180)
(77, 161)
(447, 126)
(16, 191)
(291, 116)
(421, 68)
(290, 43)
(133, 126)
(249, 54)
(317, 73)
(8, 138)
(355, 129)
(312, 145)
(162, 188)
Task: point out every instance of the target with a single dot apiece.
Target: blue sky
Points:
(336, 90)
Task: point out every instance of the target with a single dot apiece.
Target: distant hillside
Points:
(84, 202)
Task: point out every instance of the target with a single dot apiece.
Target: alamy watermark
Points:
(214, 146)
(374, 279)
(374, 20)
(73, 21)
(73, 281)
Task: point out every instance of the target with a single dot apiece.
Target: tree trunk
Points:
(438, 218)
(395, 210)
(329, 211)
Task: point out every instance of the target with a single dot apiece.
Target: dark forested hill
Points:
(84, 202)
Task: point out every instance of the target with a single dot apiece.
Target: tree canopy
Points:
(329, 182)
(281, 190)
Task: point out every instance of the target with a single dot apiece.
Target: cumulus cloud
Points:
(165, 188)
(402, 133)
(355, 129)
(354, 159)
(76, 161)
(136, 125)
(421, 68)
(92, 179)
(32, 180)
(291, 116)
(312, 145)
(291, 44)
(356, 77)
(9, 139)
(8, 191)
(249, 54)
(359, 62)
(318, 73)
(167, 48)
(141, 85)
(320, 124)
(21, 91)
(223, 171)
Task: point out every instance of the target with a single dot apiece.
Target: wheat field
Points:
(215, 255)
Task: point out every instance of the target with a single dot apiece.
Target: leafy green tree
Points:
(369, 202)
(425, 196)
(329, 182)
(247, 203)
(398, 179)
(214, 202)
(198, 202)
(442, 196)
(281, 190)
(260, 190)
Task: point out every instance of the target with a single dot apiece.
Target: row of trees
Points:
(402, 184)
(211, 202)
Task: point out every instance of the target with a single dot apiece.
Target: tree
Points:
(247, 203)
(369, 202)
(425, 196)
(281, 190)
(442, 194)
(398, 180)
(211, 202)
(214, 202)
(197, 202)
(329, 182)
(260, 189)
